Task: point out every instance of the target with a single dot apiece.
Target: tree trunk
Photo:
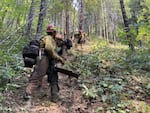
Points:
(67, 23)
(30, 20)
(98, 12)
(103, 19)
(41, 18)
(126, 24)
(81, 16)
(95, 24)
(63, 22)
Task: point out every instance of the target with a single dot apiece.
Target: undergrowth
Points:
(11, 67)
(109, 73)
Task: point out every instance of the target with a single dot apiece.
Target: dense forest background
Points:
(118, 32)
(97, 17)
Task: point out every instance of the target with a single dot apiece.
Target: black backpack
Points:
(30, 52)
(68, 43)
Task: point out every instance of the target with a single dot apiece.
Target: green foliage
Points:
(140, 14)
(56, 7)
(10, 67)
(139, 23)
(90, 93)
(98, 43)
(1, 97)
(99, 109)
(12, 86)
(122, 36)
(111, 69)
(109, 89)
(144, 23)
(119, 108)
(13, 15)
(7, 73)
(91, 5)
(138, 60)
(89, 63)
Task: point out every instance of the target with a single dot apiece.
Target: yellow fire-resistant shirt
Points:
(49, 44)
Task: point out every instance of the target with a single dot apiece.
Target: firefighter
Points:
(45, 65)
(81, 40)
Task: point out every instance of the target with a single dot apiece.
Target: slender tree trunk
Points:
(136, 22)
(106, 21)
(62, 22)
(67, 23)
(126, 24)
(95, 23)
(73, 24)
(55, 17)
(81, 16)
(99, 19)
(30, 20)
(41, 18)
(103, 19)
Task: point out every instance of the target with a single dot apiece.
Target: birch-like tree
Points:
(126, 24)
(40, 20)
(30, 18)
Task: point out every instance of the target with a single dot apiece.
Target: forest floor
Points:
(71, 96)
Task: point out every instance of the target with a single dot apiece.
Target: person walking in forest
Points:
(45, 64)
(80, 38)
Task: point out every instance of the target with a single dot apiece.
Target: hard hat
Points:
(51, 28)
(58, 36)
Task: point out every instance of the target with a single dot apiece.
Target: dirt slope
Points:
(71, 100)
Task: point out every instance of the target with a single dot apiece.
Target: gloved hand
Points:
(61, 60)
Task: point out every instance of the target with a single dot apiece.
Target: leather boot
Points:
(54, 93)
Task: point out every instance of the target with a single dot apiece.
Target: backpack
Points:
(68, 43)
(30, 52)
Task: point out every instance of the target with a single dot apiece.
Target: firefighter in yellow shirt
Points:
(46, 65)
(81, 39)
